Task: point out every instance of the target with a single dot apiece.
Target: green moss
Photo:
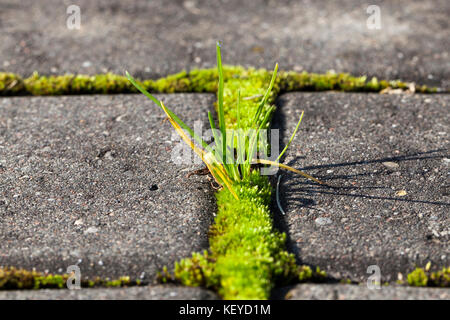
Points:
(418, 278)
(102, 83)
(422, 278)
(77, 84)
(306, 274)
(247, 256)
(345, 281)
(197, 271)
(10, 84)
(202, 80)
(252, 84)
(37, 85)
(440, 278)
(195, 81)
(12, 279)
(292, 81)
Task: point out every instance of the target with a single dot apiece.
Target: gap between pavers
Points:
(89, 180)
(166, 292)
(359, 292)
(388, 156)
(155, 38)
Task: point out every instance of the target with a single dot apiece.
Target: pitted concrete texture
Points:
(387, 160)
(134, 293)
(361, 292)
(90, 180)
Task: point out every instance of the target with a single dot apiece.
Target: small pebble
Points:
(390, 165)
(401, 193)
(91, 230)
(79, 222)
(322, 221)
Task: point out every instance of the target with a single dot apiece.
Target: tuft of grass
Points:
(247, 255)
(225, 167)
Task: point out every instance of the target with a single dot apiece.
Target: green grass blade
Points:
(240, 143)
(266, 95)
(214, 132)
(238, 108)
(142, 89)
(230, 155)
(254, 140)
(220, 103)
(173, 115)
(292, 137)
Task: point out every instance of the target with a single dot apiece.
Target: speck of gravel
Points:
(323, 221)
(391, 165)
(91, 230)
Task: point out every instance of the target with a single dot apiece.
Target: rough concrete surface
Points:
(360, 292)
(89, 180)
(133, 293)
(154, 38)
(387, 160)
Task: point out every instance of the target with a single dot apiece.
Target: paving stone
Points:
(361, 292)
(155, 38)
(395, 218)
(91, 179)
(133, 293)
